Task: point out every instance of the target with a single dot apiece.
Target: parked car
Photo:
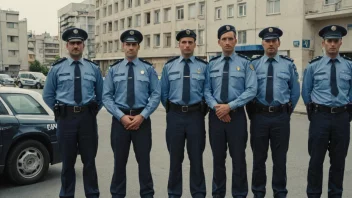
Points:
(28, 142)
(6, 80)
(32, 79)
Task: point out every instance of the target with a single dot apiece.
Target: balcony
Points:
(318, 10)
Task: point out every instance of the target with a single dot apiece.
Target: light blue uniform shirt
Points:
(316, 82)
(285, 80)
(242, 81)
(146, 87)
(59, 85)
(172, 80)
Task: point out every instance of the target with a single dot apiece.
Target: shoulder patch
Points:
(172, 59)
(243, 56)
(214, 58)
(201, 60)
(347, 58)
(315, 59)
(91, 61)
(256, 58)
(146, 62)
(59, 61)
(115, 63)
(287, 58)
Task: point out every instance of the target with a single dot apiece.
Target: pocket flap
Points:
(89, 77)
(283, 75)
(174, 76)
(63, 78)
(198, 76)
(238, 74)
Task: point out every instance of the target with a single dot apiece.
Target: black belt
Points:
(185, 108)
(323, 108)
(132, 112)
(238, 109)
(75, 109)
(271, 109)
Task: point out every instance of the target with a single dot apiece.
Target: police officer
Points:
(182, 86)
(230, 83)
(73, 90)
(277, 95)
(131, 94)
(326, 91)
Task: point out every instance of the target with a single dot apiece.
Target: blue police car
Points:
(28, 142)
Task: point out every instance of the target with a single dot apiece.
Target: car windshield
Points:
(38, 75)
(4, 76)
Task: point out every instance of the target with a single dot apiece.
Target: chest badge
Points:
(238, 68)
(142, 72)
(198, 70)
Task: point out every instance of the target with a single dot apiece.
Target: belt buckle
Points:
(332, 110)
(271, 109)
(77, 109)
(131, 111)
(184, 109)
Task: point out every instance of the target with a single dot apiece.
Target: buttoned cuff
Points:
(145, 114)
(119, 115)
(233, 105)
(212, 105)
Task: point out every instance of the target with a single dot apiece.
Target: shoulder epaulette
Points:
(201, 60)
(214, 58)
(315, 59)
(115, 63)
(243, 56)
(172, 59)
(144, 61)
(59, 61)
(91, 61)
(347, 58)
(256, 58)
(287, 58)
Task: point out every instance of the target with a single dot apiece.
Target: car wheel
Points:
(20, 84)
(38, 86)
(28, 162)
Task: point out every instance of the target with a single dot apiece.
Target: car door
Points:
(8, 128)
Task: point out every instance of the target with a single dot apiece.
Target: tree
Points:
(35, 66)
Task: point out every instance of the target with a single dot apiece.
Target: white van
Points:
(32, 79)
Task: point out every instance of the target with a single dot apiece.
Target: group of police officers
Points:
(189, 88)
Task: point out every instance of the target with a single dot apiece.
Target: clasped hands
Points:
(132, 122)
(222, 111)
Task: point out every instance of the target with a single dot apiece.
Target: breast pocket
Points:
(237, 79)
(261, 78)
(198, 81)
(345, 80)
(120, 83)
(89, 81)
(65, 82)
(321, 81)
(283, 80)
(143, 81)
(174, 80)
(215, 78)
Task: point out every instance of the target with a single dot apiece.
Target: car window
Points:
(24, 75)
(23, 104)
(3, 110)
(31, 76)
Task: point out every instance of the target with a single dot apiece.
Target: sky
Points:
(41, 14)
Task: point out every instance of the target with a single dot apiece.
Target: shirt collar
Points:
(192, 59)
(70, 61)
(125, 61)
(276, 58)
(232, 57)
(327, 59)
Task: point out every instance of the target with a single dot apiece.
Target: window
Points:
(116, 7)
(10, 25)
(201, 8)
(104, 28)
(129, 22)
(147, 18)
(97, 14)
(156, 16)
(242, 37)
(116, 25)
(230, 11)
(242, 9)
(167, 14)
(129, 3)
(218, 13)
(122, 24)
(179, 13)
(167, 39)
(97, 30)
(156, 40)
(104, 12)
(273, 7)
(23, 104)
(330, 2)
(110, 26)
(110, 10)
(3, 110)
(117, 45)
(200, 37)
(97, 3)
(13, 53)
(192, 11)
(138, 2)
(146, 1)
(110, 46)
(147, 41)
(12, 39)
(122, 5)
(105, 47)
(138, 20)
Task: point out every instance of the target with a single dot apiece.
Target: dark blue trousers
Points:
(191, 127)
(142, 144)
(234, 135)
(273, 128)
(327, 132)
(78, 132)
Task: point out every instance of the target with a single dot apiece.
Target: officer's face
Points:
(332, 46)
(187, 45)
(75, 48)
(271, 46)
(131, 49)
(228, 42)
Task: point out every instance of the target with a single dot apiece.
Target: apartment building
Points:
(80, 15)
(13, 43)
(160, 20)
(44, 47)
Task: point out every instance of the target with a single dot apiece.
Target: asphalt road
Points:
(297, 166)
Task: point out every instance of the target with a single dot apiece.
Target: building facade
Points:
(80, 15)
(44, 47)
(13, 43)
